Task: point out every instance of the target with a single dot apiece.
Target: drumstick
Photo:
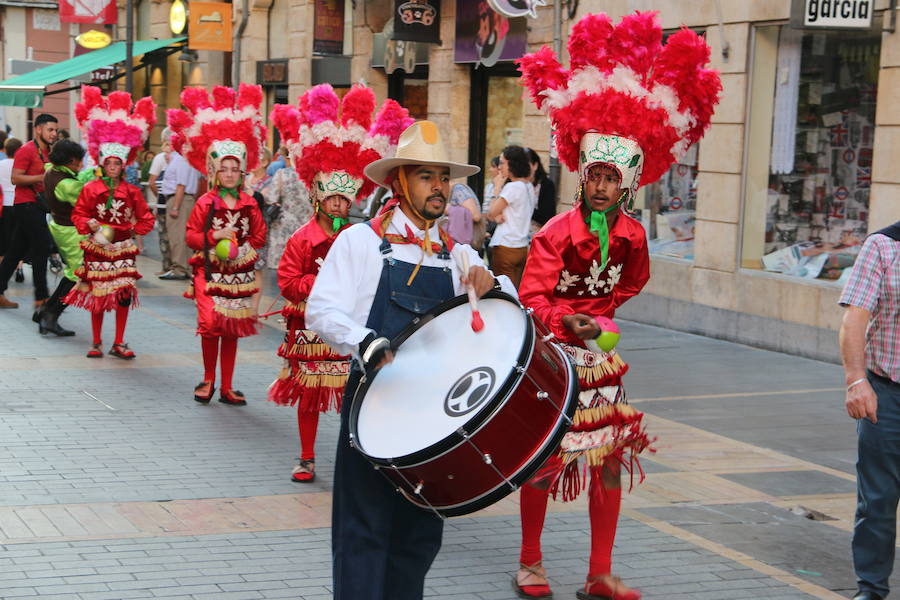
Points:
(477, 321)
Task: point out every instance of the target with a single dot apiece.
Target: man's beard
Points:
(428, 214)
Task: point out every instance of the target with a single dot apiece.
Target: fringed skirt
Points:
(313, 376)
(605, 426)
(107, 277)
(225, 302)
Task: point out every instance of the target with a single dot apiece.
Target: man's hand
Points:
(172, 211)
(861, 402)
(375, 352)
(480, 279)
(225, 233)
(581, 325)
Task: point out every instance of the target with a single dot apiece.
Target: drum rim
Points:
(478, 419)
(501, 490)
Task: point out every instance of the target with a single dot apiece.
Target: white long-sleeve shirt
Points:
(338, 305)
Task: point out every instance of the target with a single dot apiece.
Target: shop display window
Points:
(670, 208)
(808, 183)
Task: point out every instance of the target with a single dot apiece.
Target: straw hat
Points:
(420, 144)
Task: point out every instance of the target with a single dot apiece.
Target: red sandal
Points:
(606, 587)
(122, 351)
(96, 351)
(541, 590)
(203, 392)
(305, 472)
(232, 397)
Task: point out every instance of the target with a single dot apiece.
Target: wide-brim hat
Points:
(420, 144)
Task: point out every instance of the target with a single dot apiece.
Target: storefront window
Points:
(671, 208)
(810, 216)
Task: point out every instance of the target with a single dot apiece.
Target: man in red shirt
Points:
(30, 237)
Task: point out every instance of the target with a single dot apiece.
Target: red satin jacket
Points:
(127, 212)
(563, 276)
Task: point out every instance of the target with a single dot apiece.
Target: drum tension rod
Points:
(542, 395)
(416, 489)
(487, 458)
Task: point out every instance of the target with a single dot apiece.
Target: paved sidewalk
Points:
(115, 484)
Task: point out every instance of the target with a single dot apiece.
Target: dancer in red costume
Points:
(625, 111)
(330, 153)
(112, 210)
(224, 139)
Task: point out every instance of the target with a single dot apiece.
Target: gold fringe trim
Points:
(231, 313)
(595, 457)
(598, 414)
(589, 375)
(299, 350)
(250, 286)
(330, 381)
(234, 265)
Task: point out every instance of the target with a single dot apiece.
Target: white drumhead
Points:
(409, 405)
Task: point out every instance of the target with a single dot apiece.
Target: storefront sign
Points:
(272, 72)
(484, 36)
(103, 74)
(178, 17)
(93, 39)
(517, 8)
(88, 11)
(417, 21)
(210, 26)
(833, 14)
(329, 27)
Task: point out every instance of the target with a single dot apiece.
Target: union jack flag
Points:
(863, 177)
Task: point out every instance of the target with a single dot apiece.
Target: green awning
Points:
(28, 89)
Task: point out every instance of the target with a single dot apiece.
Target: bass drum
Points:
(461, 419)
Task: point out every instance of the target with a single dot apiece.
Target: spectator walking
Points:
(154, 192)
(512, 210)
(291, 195)
(7, 222)
(871, 358)
(544, 189)
(30, 234)
(466, 223)
(179, 186)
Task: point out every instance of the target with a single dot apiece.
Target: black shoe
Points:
(20, 275)
(55, 265)
(49, 324)
(173, 276)
(867, 596)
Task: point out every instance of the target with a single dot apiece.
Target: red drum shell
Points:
(482, 466)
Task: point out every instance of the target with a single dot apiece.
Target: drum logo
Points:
(469, 392)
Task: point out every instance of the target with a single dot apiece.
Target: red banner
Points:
(88, 11)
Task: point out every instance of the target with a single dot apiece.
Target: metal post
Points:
(129, 46)
(557, 47)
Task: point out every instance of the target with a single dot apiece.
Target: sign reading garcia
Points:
(838, 14)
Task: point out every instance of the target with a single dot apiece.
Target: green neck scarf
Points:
(598, 224)
(336, 222)
(225, 192)
(111, 186)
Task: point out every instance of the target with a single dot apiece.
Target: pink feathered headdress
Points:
(627, 100)
(109, 125)
(228, 125)
(332, 140)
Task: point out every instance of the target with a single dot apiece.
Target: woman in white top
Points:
(511, 210)
(9, 194)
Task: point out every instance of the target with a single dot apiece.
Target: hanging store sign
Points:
(517, 8)
(88, 11)
(417, 21)
(832, 14)
(210, 26)
(328, 35)
(485, 36)
(272, 72)
(93, 39)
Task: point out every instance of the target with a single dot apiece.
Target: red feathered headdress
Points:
(228, 125)
(332, 140)
(109, 125)
(627, 100)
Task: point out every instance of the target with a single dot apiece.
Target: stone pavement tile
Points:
(296, 564)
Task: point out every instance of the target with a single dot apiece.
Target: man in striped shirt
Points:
(870, 349)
